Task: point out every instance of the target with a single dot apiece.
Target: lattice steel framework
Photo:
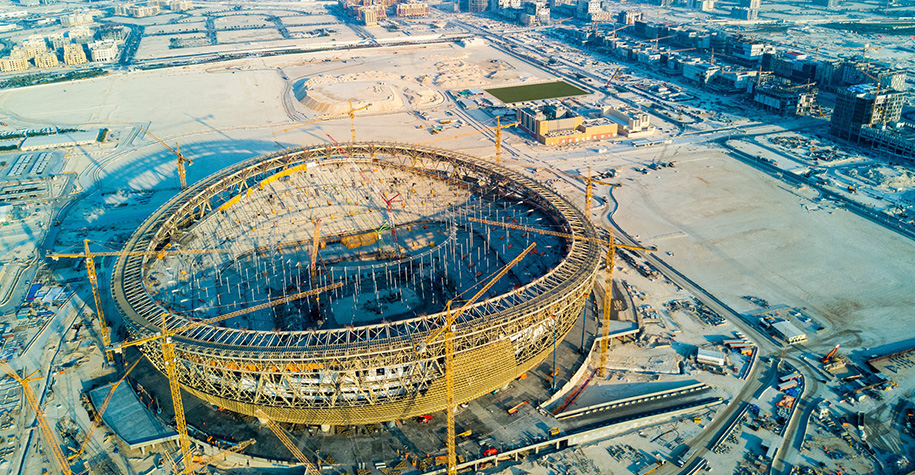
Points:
(371, 373)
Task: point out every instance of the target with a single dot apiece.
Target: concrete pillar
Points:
(325, 428)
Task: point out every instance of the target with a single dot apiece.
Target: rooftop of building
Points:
(130, 419)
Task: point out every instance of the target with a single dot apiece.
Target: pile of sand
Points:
(885, 178)
(385, 92)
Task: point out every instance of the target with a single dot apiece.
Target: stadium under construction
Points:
(397, 236)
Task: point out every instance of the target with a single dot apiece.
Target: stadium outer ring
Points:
(325, 376)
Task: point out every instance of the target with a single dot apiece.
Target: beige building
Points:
(555, 125)
(144, 11)
(81, 34)
(34, 45)
(634, 123)
(122, 9)
(371, 14)
(103, 51)
(74, 19)
(180, 5)
(14, 63)
(412, 9)
(46, 60)
(74, 54)
(57, 40)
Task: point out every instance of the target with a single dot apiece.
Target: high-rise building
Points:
(864, 105)
(751, 4)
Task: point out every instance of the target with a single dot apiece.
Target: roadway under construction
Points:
(397, 227)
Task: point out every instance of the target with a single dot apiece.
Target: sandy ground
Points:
(733, 230)
(737, 232)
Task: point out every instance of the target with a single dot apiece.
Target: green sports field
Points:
(535, 92)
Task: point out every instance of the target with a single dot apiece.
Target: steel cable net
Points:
(395, 230)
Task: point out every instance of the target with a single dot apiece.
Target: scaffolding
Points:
(349, 357)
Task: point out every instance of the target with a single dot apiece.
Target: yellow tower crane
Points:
(166, 335)
(448, 333)
(310, 469)
(93, 277)
(182, 175)
(352, 120)
(39, 416)
(588, 181)
(608, 283)
(498, 129)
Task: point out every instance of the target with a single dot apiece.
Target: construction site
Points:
(386, 232)
(213, 284)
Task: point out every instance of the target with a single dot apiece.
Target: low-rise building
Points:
(554, 125)
(710, 357)
(103, 51)
(699, 72)
(633, 122)
(33, 46)
(143, 11)
(180, 5)
(81, 34)
(897, 138)
(74, 54)
(412, 9)
(46, 60)
(73, 19)
(788, 332)
(784, 100)
(13, 63)
(57, 40)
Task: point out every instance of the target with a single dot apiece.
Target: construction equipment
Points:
(828, 358)
(587, 180)
(388, 202)
(314, 249)
(93, 277)
(498, 129)
(101, 412)
(448, 334)
(612, 33)
(608, 283)
(310, 469)
(212, 459)
(352, 120)
(39, 416)
(182, 175)
(169, 359)
(613, 76)
(655, 40)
